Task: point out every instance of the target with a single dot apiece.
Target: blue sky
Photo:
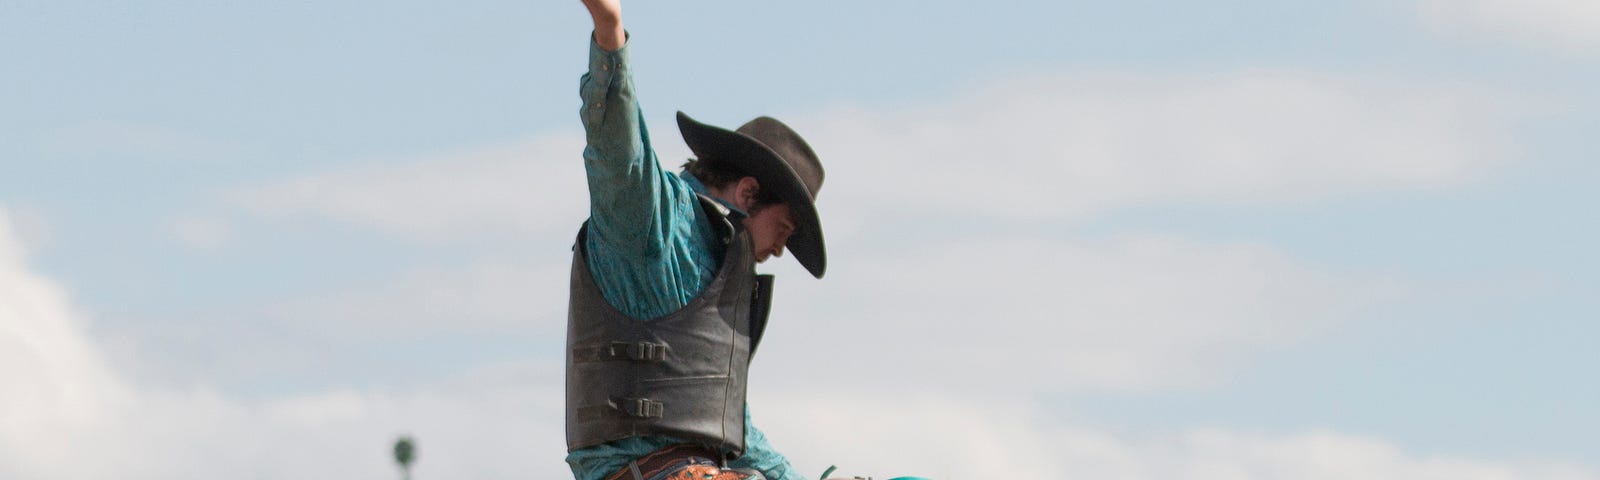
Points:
(1145, 239)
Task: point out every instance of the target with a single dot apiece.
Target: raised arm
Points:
(607, 15)
(637, 242)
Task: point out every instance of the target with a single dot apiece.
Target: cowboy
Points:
(666, 308)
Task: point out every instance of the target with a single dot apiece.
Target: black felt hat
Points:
(777, 157)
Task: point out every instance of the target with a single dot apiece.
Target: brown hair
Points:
(716, 175)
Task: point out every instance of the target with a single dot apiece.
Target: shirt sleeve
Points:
(760, 456)
(642, 240)
(625, 180)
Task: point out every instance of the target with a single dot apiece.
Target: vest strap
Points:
(626, 406)
(641, 407)
(636, 351)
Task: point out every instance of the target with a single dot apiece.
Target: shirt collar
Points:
(700, 188)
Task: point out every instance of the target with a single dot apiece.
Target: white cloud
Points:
(123, 140)
(528, 187)
(1036, 314)
(66, 415)
(989, 435)
(1028, 148)
(55, 383)
(490, 298)
(478, 430)
(946, 316)
(1066, 146)
(1131, 313)
(1572, 25)
(437, 320)
(33, 232)
(201, 233)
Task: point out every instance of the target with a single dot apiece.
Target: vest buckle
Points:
(640, 407)
(642, 351)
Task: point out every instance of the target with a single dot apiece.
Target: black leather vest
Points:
(682, 375)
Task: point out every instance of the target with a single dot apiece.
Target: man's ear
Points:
(744, 193)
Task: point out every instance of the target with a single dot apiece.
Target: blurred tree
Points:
(405, 452)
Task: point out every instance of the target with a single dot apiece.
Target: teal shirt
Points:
(649, 244)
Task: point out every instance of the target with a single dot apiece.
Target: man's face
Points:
(770, 227)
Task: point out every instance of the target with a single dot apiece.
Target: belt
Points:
(665, 458)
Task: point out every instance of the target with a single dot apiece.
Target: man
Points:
(666, 309)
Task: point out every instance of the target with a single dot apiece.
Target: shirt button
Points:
(605, 67)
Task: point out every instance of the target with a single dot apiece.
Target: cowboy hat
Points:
(782, 162)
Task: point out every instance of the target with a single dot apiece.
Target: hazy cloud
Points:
(1029, 313)
(123, 139)
(1126, 313)
(31, 229)
(201, 233)
(1032, 314)
(993, 436)
(534, 186)
(487, 298)
(1572, 25)
(1034, 147)
(1070, 145)
(1023, 310)
(65, 416)
(56, 385)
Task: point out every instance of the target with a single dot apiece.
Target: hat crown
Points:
(792, 149)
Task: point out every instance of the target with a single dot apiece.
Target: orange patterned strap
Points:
(665, 464)
(706, 472)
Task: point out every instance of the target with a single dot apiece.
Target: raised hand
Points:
(607, 15)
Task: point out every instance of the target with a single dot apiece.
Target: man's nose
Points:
(778, 252)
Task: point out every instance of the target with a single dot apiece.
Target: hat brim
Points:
(753, 158)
